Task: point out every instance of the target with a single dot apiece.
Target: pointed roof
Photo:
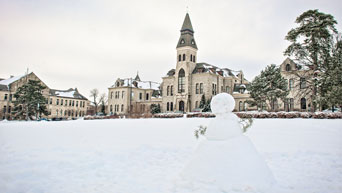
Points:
(137, 77)
(187, 24)
(187, 34)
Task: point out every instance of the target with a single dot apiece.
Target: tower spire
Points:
(187, 34)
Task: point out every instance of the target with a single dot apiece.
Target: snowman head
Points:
(222, 103)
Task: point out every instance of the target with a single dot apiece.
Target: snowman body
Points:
(226, 159)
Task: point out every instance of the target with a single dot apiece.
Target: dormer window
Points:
(192, 42)
(182, 41)
(288, 67)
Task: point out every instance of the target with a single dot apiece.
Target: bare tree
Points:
(94, 94)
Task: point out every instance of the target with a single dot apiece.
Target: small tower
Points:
(186, 63)
(186, 47)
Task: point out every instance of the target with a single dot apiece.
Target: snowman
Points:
(226, 160)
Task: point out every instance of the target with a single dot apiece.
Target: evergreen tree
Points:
(310, 46)
(30, 101)
(155, 108)
(207, 107)
(330, 80)
(267, 87)
(202, 102)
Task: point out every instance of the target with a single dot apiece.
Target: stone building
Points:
(133, 96)
(60, 104)
(297, 76)
(183, 87)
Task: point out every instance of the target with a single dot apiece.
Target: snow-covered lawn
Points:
(146, 155)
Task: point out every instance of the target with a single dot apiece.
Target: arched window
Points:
(122, 108)
(197, 88)
(303, 103)
(111, 108)
(191, 57)
(245, 106)
(171, 106)
(274, 105)
(181, 106)
(171, 90)
(240, 106)
(291, 84)
(183, 57)
(181, 81)
(201, 88)
(167, 106)
(168, 91)
(179, 57)
(302, 83)
(288, 67)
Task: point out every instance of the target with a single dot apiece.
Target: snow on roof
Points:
(10, 80)
(139, 84)
(69, 94)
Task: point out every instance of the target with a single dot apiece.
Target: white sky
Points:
(89, 44)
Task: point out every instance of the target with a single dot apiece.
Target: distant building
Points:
(184, 86)
(60, 103)
(133, 96)
(297, 76)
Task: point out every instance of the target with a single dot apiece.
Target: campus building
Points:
(60, 103)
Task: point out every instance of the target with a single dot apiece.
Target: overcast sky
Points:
(89, 44)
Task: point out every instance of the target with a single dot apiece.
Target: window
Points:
(182, 41)
(201, 88)
(61, 102)
(171, 106)
(10, 97)
(122, 108)
(288, 67)
(179, 57)
(168, 91)
(245, 106)
(50, 101)
(140, 96)
(73, 103)
(9, 109)
(147, 96)
(221, 88)
(76, 103)
(197, 88)
(291, 84)
(191, 57)
(214, 89)
(183, 57)
(303, 103)
(181, 81)
(111, 108)
(167, 106)
(274, 105)
(4, 110)
(123, 94)
(111, 95)
(57, 102)
(6, 95)
(171, 90)
(302, 83)
(83, 103)
(70, 103)
(240, 106)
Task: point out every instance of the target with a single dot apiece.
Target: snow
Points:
(147, 155)
(69, 94)
(10, 80)
(142, 84)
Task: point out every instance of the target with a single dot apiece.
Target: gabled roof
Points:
(129, 82)
(70, 93)
(208, 68)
